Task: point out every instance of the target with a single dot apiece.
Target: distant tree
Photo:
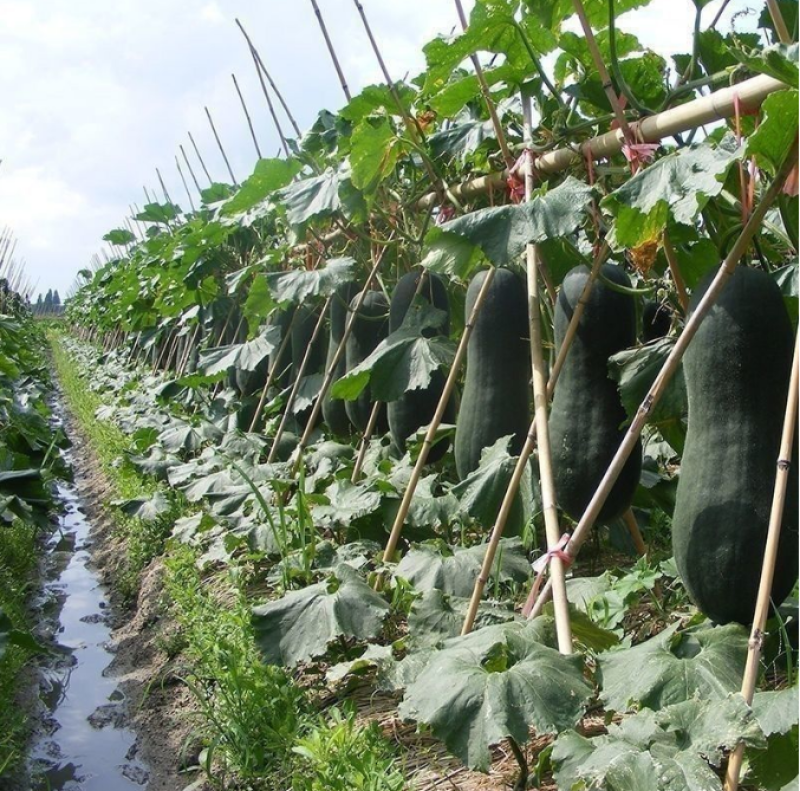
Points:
(39, 300)
(56, 298)
(48, 300)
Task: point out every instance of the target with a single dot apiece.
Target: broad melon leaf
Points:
(674, 666)
(635, 370)
(453, 570)
(147, 509)
(777, 711)
(500, 682)
(374, 149)
(313, 197)
(301, 625)
(298, 285)
(406, 360)
(450, 254)
(461, 139)
(160, 213)
(673, 189)
(658, 751)
(244, 356)
(771, 141)
(502, 232)
(481, 493)
(436, 617)
(119, 236)
(346, 503)
(268, 176)
(779, 61)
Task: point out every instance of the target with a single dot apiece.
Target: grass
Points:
(144, 540)
(18, 562)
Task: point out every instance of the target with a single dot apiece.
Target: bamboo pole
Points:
(331, 50)
(221, 149)
(487, 96)
(200, 159)
(273, 372)
(185, 185)
(675, 272)
(756, 642)
(191, 169)
(549, 502)
(247, 116)
(260, 65)
(633, 528)
(163, 187)
(329, 374)
(188, 353)
(455, 368)
(670, 366)
(270, 105)
(705, 110)
(365, 438)
(780, 25)
(287, 410)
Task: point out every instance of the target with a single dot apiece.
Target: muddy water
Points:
(82, 744)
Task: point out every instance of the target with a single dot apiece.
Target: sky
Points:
(96, 95)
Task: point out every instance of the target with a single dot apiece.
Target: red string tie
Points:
(516, 176)
(639, 154)
(558, 551)
(445, 214)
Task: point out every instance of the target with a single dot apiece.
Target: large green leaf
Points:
(779, 61)
(302, 624)
(453, 570)
(461, 139)
(481, 493)
(148, 509)
(673, 189)
(777, 710)
(160, 213)
(450, 254)
(668, 750)
(298, 285)
(268, 176)
(436, 617)
(771, 141)
(120, 236)
(674, 666)
(635, 370)
(503, 232)
(406, 360)
(243, 356)
(374, 148)
(496, 683)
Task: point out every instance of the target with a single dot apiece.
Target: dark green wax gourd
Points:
(587, 417)
(496, 397)
(416, 408)
(302, 332)
(333, 409)
(737, 371)
(369, 329)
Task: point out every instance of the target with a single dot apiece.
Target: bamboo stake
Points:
(455, 368)
(756, 642)
(163, 187)
(331, 50)
(191, 169)
(287, 410)
(188, 353)
(487, 96)
(185, 185)
(221, 149)
(670, 366)
(264, 90)
(273, 372)
(705, 110)
(636, 534)
(365, 438)
(247, 116)
(675, 272)
(600, 65)
(780, 25)
(330, 373)
(200, 159)
(260, 65)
